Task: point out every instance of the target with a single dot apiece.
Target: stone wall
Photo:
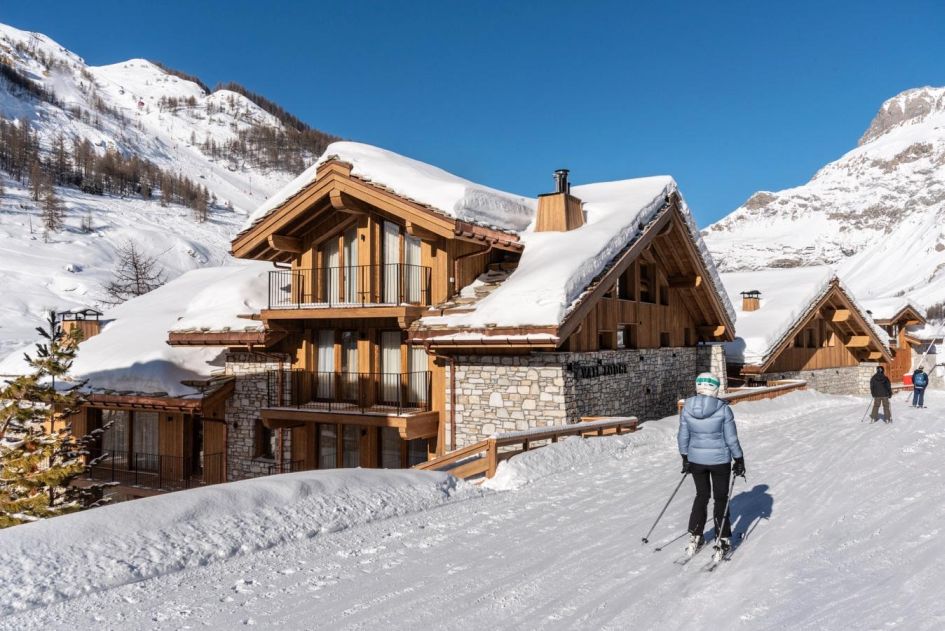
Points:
(844, 380)
(242, 413)
(508, 393)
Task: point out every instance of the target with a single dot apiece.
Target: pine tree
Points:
(135, 275)
(39, 456)
(52, 214)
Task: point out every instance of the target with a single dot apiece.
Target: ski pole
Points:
(868, 406)
(646, 539)
(728, 500)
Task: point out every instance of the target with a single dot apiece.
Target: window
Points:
(351, 454)
(621, 337)
(327, 446)
(417, 451)
(687, 337)
(811, 336)
(664, 295)
(665, 341)
(391, 456)
(115, 437)
(647, 282)
(629, 334)
(799, 340)
(627, 285)
(607, 340)
(263, 442)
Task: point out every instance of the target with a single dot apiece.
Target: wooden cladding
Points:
(558, 212)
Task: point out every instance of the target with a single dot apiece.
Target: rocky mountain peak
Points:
(910, 106)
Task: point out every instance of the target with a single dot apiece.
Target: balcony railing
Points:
(156, 471)
(350, 392)
(352, 286)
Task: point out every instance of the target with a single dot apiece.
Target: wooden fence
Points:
(483, 457)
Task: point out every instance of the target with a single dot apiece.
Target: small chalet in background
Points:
(896, 316)
(802, 323)
(926, 341)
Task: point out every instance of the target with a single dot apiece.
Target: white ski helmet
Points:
(708, 384)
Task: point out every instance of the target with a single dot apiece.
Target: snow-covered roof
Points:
(557, 267)
(417, 181)
(928, 332)
(787, 295)
(131, 353)
(888, 308)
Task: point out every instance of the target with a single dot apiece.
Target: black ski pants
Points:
(711, 481)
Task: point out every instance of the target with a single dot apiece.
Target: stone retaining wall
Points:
(844, 380)
(509, 393)
(242, 413)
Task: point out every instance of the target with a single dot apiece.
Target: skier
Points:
(708, 441)
(920, 382)
(881, 390)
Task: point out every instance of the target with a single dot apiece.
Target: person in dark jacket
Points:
(708, 441)
(881, 390)
(920, 381)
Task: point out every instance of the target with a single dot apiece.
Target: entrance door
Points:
(413, 280)
(327, 446)
(391, 263)
(351, 451)
(390, 367)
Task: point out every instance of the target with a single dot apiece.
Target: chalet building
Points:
(411, 312)
(926, 341)
(803, 323)
(895, 316)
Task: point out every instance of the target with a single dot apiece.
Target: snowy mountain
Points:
(877, 213)
(221, 144)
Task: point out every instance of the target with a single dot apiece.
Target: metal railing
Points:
(341, 391)
(349, 286)
(156, 471)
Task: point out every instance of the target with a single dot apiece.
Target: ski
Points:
(686, 558)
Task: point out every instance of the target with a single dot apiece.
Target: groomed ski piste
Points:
(842, 521)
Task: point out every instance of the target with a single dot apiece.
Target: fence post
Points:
(491, 457)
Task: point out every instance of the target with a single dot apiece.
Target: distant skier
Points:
(920, 381)
(708, 441)
(881, 390)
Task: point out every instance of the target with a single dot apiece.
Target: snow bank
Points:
(131, 353)
(786, 295)
(64, 557)
(417, 181)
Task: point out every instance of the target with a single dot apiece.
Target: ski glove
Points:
(738, 469)
(685, 464)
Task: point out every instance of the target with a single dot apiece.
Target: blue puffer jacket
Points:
(707, 433)
(920, 379)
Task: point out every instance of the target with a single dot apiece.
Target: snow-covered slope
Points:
(832, 541)
(877, 213)
(121, 107)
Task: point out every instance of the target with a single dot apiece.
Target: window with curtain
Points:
(351, 456)
(115, 437)
(349, 365)
(391, 263)
(417, 378)
(325, 362)
(351, 272)
(331, 261)
(145, 440)
(412, 276)
(390, 366)
(327, 446)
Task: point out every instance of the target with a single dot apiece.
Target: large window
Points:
(263, 441)
(647, 282)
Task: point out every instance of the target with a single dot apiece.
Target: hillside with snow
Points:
(877, 213)
(221, 141)
(830, 540)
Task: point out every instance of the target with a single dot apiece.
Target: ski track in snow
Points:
(841, 516)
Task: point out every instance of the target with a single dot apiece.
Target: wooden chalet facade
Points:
(896, 326)
(831, 341)
(355, 375)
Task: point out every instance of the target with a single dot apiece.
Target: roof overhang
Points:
(262, 337)
(219, 390)
(905, 316)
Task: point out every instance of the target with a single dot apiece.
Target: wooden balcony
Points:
(352, 287)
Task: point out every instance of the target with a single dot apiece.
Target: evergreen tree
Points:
(135, 275)
(39, 456)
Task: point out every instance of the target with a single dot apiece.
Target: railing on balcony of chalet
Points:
(350, 286)
(354, 392)
(155, 471)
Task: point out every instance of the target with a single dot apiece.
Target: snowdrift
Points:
(56, 559)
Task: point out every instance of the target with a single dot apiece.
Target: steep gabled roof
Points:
(893, 310)
(790, 298)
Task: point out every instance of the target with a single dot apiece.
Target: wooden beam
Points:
(836, 315)
(712, 330)
(858, 341)
(345, 203)
(284, 243)
(875, 355)
(420, 233)
(684, 282)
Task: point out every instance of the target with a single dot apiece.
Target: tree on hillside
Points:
(136, 274)
(53, 213)
(39, 456)
(38, 181)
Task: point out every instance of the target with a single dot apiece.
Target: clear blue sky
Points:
(729, 97)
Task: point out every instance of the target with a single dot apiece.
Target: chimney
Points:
(559, 211)
(751, 300)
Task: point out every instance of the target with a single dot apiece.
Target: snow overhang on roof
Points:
(891, 310)
(788, 296)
